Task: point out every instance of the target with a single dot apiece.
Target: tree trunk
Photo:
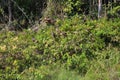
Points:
(10, 13)
(99, 8)
(114, 1)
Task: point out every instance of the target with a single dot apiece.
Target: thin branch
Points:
(21, 10)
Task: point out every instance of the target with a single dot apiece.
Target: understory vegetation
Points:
(59, 40)
(70, 50)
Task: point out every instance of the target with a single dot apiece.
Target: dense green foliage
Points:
(74, 50)
(28, 11)
(59, 40)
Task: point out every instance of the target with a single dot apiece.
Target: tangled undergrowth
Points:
(74, 50)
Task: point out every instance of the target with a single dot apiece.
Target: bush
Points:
(79, 46)
(73, 7)
(114, 13)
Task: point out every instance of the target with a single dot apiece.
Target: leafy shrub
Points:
(76, 7)
(114, 13)
(75, 45)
